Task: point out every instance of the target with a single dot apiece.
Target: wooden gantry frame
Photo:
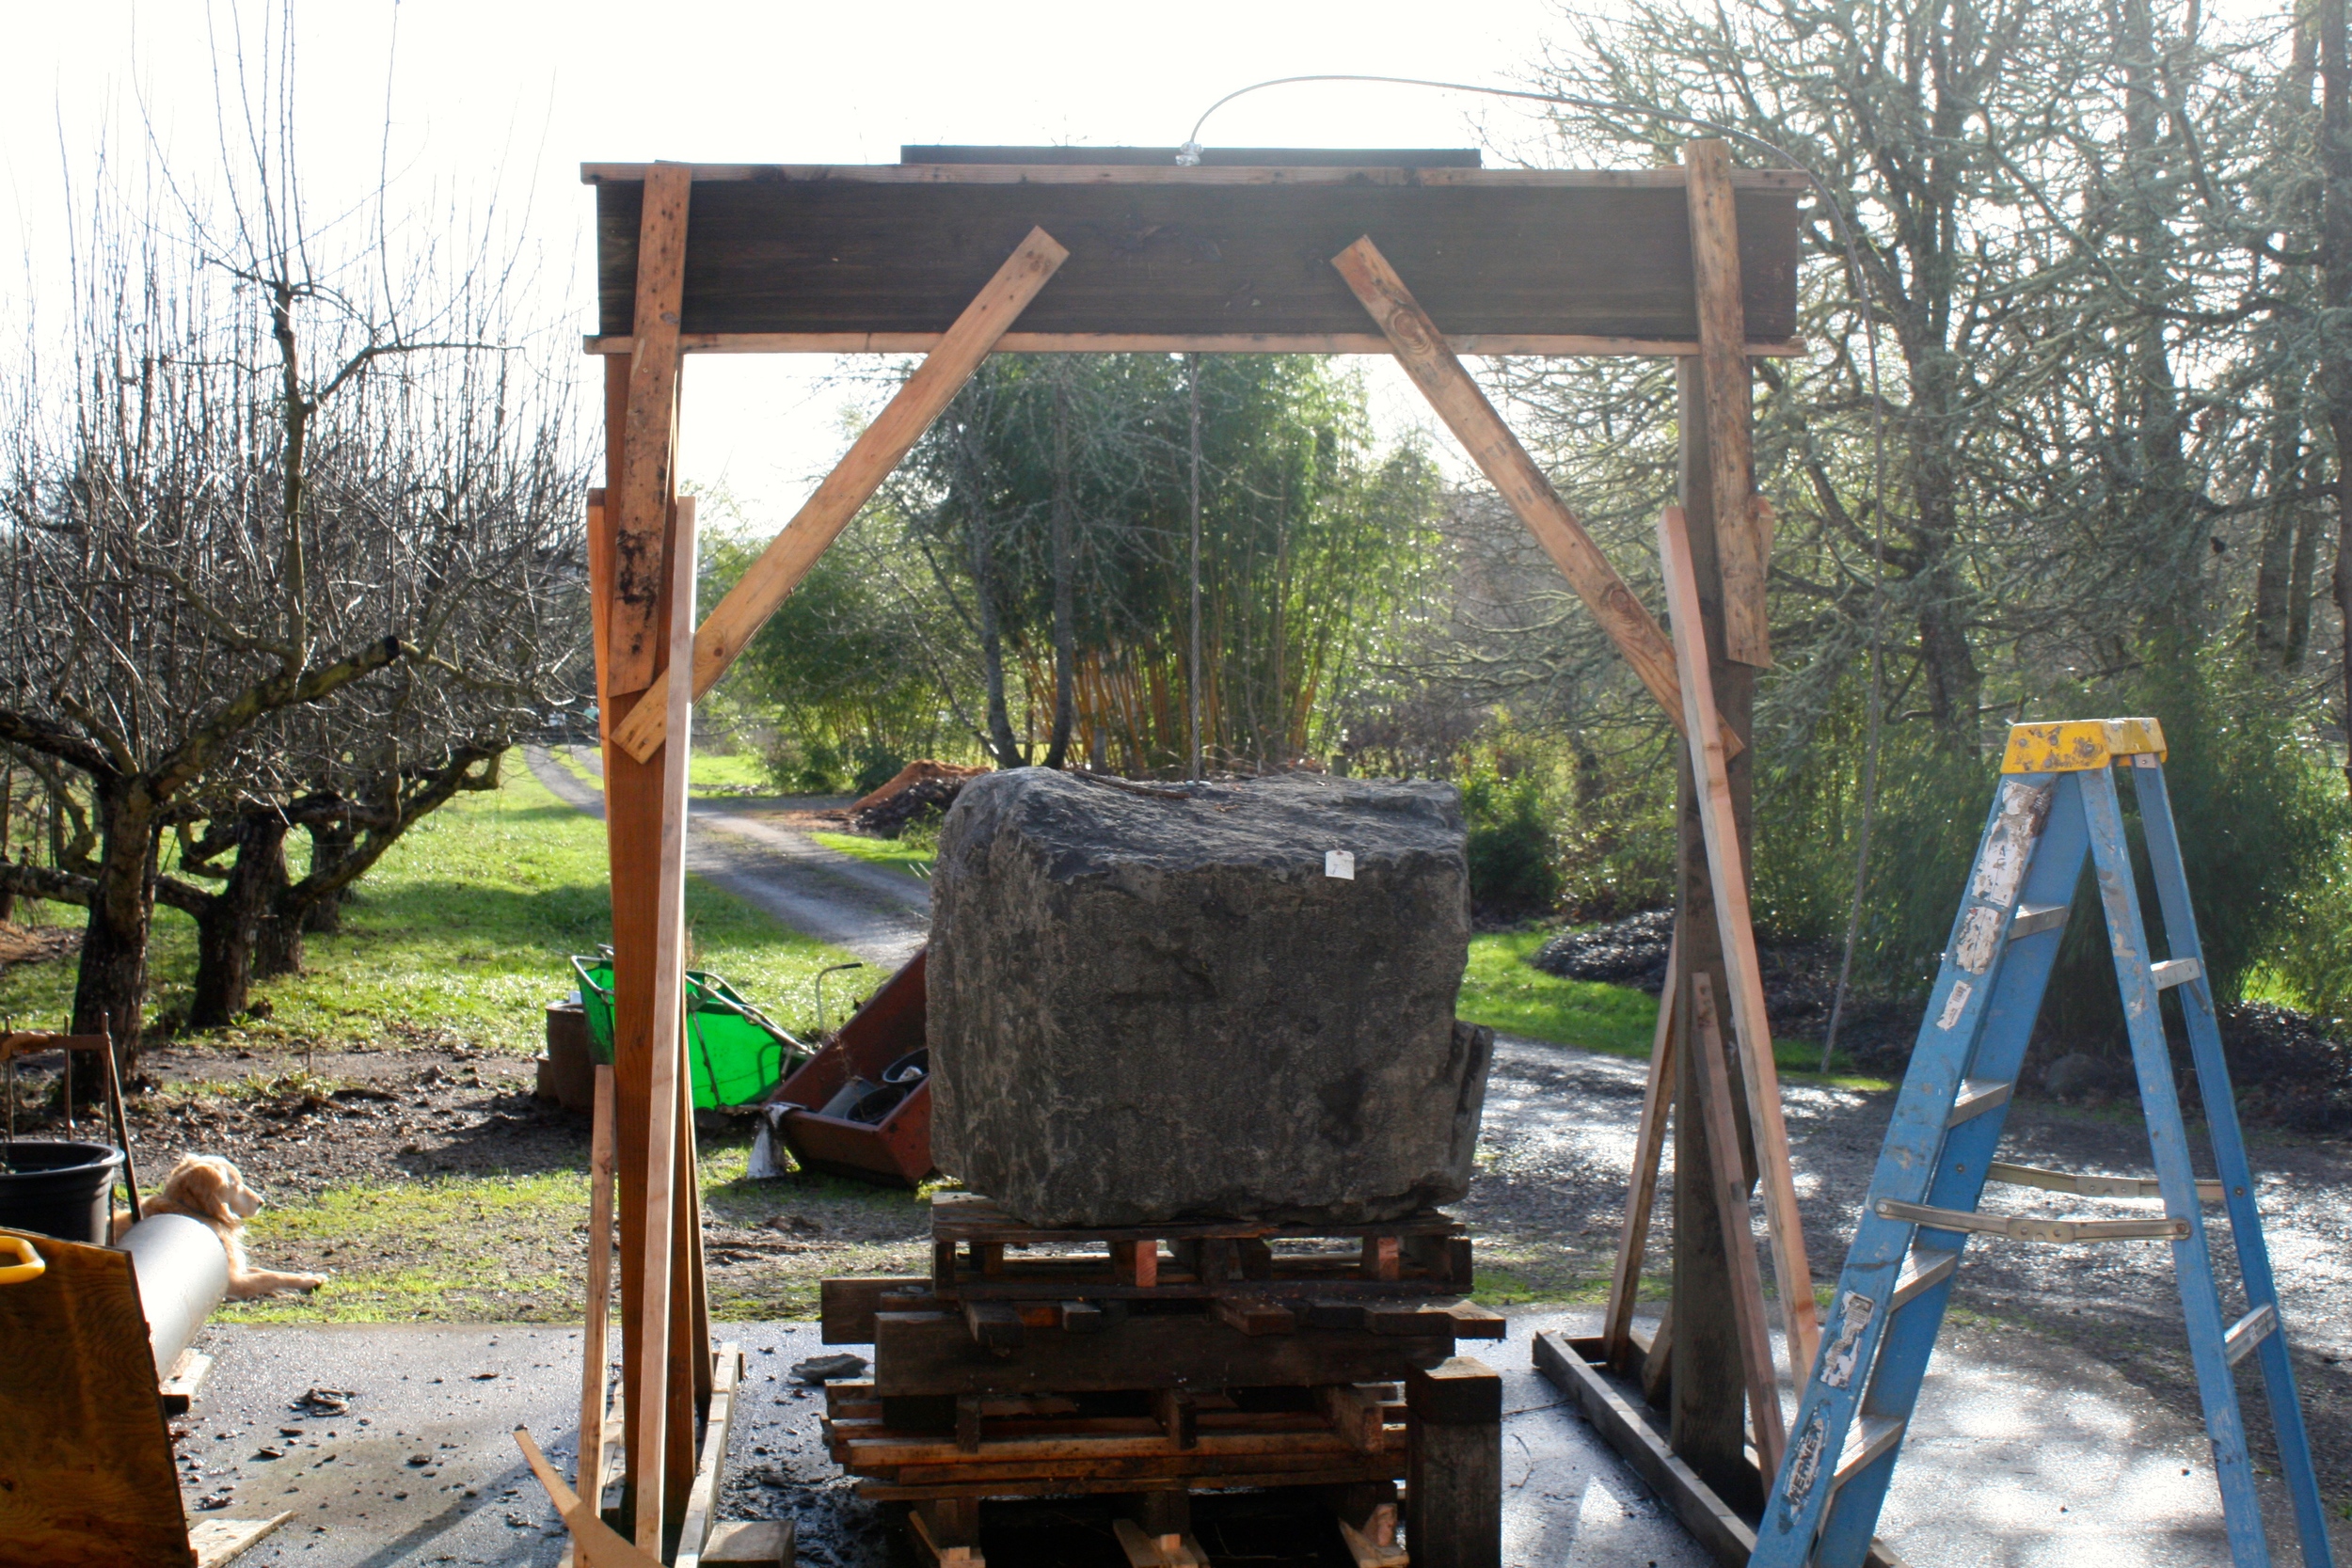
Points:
(959, 253)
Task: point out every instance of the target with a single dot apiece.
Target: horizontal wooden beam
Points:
(1489, 345)
(1184, 260)
(1669, 177)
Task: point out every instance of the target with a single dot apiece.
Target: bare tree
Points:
(275, 460)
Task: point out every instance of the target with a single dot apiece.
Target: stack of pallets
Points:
(1153, 1361)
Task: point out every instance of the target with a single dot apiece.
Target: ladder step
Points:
(2176, 971)
(1869, 1437)
(2034, 919)
(1978, 1096)
(2022, 1227)
(2249, 1331)
(1924, 1267)
(2088, 1186)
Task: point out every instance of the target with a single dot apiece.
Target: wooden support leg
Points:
(1649, 1147)
(1731, 1206)
(1454, 1470)
(1158, 1514)
(949, 1528)
(596, 1355)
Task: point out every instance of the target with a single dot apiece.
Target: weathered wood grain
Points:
(1739, 538)
(832, 255)
(85, 1471)
(650, 430)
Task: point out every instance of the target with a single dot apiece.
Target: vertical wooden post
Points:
(648, 431)
(1704, 1406)
(1454, 1466)
(632, 810)
(665, 1053)
(1740, 545)
(595, 1352)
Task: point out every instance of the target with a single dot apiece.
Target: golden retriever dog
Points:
(208, 1188)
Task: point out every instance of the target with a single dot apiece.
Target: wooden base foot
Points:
(216, 1542)
(768, 1543)
(1573, 1367)
(179, 1386)
(1173, 1549)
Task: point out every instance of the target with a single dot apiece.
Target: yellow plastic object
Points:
(2080, 745)
(28, 1264)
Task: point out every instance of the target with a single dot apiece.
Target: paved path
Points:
(879, 913)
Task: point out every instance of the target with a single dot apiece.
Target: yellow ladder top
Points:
(2080, 745)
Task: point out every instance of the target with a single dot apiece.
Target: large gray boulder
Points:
(1157, 1002)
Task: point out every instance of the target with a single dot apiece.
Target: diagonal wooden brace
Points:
(854, 481)
(594, 1543)
(1423, 353)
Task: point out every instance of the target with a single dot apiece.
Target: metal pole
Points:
(1192, 679)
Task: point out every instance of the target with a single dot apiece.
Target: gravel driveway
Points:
(1558, 1152)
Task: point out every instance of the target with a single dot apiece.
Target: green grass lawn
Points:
(465, 926)
(513, 1248)
(1503, 989)
(912, 854)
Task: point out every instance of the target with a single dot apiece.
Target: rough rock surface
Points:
(1153, 1003)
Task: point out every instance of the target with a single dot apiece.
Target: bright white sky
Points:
(524, 94)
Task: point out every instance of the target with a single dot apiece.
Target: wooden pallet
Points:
(1038, 1446)
(979, 1251)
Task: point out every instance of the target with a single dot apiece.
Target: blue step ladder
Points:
(2058, 800)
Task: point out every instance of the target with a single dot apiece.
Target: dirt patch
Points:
(33, 944)
(429, 1184)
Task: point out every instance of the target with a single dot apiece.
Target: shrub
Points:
(1513, 873)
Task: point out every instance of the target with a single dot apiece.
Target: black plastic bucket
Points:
(58, 1189)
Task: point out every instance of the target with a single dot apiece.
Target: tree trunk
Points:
(8, 810)
(2335, 250)
(331, 845)
(1065, 610)
(1000, 741)
(110, 991)
(227, 931)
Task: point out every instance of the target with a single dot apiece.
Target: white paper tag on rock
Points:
(1340, 863)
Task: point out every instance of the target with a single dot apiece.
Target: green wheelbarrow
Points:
(736, 1054)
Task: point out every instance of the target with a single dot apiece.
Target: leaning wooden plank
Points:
(726, 1371)
(1649, 1147)
(854, 481)
(1727, 873)
(594, 1543)
(595, 1356)
(1723, 377)
(649, 434)
(659, 1241)
(1421, 349)
(217, 1542)
(1731, 1207)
